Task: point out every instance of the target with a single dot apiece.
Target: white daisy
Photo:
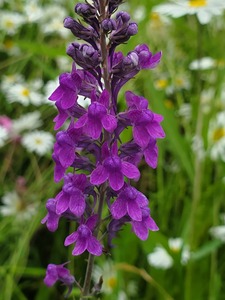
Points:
(216, 137)
(203, 9)
(140, 13)
(52, 21)
(177, 245)
(185, 111)
(9, 80)
(204, 63)
(40, 142)
(14, 205)
(198, 147)
(218, 232)
(207, 96)
(25, 93)
(28, 121)
(109, 275)
(160, 258)
(33, 11)
(10, 21)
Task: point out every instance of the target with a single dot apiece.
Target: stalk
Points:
(198, 172)
(102, 189)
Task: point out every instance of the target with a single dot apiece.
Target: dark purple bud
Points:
(84, 55)
(87, 34)
(113, 5)
(108, 25)
(131, 60)
(84, 10)
(132, 29)
(123, 15)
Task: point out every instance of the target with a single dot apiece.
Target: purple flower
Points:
(141, 228)
(84, 238)
(67, 91)
(72, 195)
(58, 272)
(145, 123)
(113, 169)
(129, 201)
(97, 118)
(52, 217)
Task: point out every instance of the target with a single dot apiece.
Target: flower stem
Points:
(91, 257)
(102, 189)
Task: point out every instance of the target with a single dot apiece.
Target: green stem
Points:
(197, 185)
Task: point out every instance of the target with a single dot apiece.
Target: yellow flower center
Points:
(168, 104)
(25, 92)
(161, 83)
(9, 24)
(179, 82)
(8, 44)
(197, 3)
(111, 282)
(218, 134)
(38, 141)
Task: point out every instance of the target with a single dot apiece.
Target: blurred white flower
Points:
(25, 93)
(9, 80)
(40, 142)
(15, 205)
(33, 11)
(83, 101)
(218, 232)
(27, 121)
(203, 9)
(109, 275)
(204, 63)
(198, 147)
(206, 99)
(52, 21)
(3, 135)
(177, 245)
(64, 63)
(140, 13)
(216, 137)
(160, 258)
(10, 21)
(185, 111)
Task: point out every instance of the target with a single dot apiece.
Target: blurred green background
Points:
(185, 259)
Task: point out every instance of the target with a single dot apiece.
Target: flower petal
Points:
(93, 128)
(130, 170)
(62, 203)
(99, 175)
(94, 246)
(109, 122)
(134, 210)
(72, 238)
(141, 136)
(77, 204)
(140, 230)
(116, 180)
(80, 247)
(119, 208)
(81, 121)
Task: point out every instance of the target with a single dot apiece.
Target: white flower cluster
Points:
(21, 130)
(161, 259)
(203, 9)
